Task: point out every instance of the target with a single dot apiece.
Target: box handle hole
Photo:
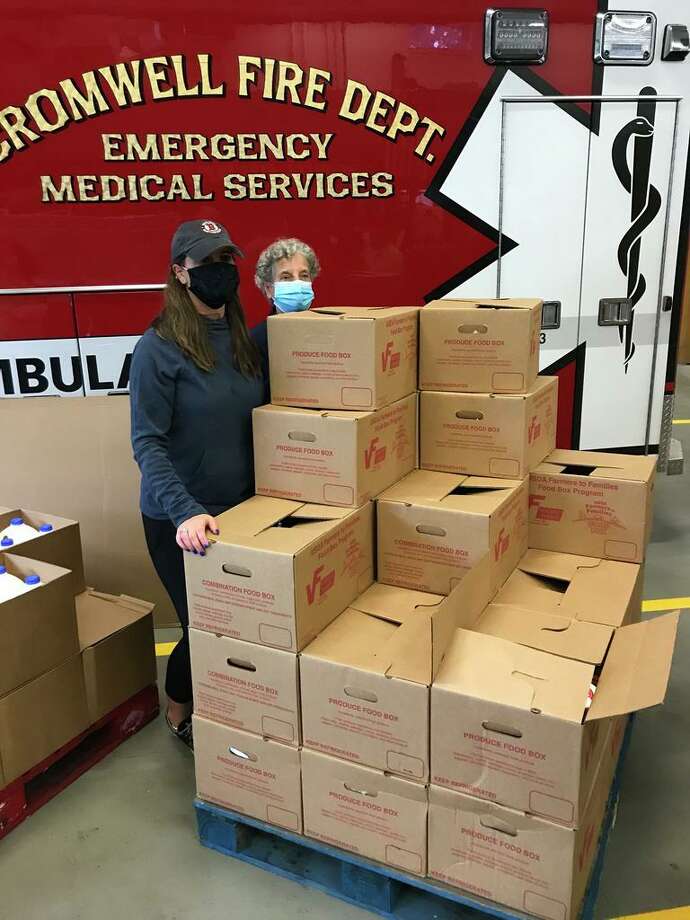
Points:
(236, 752)
(502, 729)
(473, 329)
(495, 824)
(241, 663)
(371, 795)
(301, 436)
(240, 570)
(431, 530)
(361, 694)
(467, 413)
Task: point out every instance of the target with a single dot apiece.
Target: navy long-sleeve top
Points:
(192, 429)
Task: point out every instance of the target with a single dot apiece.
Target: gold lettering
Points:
(171, 145)
(322, 142)
(432, 129)
(222, 147)
(87, 186)
(404, 121)
(147, 151)
(316, 86)
(382, 185)
(124, 85)
(111, 147)
(279, 183)
(235, 187)
(107, 185)
(158, 77)
(257, 183)
(207, 87)
(245, 144)
(178, 62)
(13, 122)
(292, 149)
(290, 76)
(355, 101)
(83, 105)
(248, 67)
(195, 146)
(330, 184)
(145, 182)
(50, 192)
(42, 123)
(197, 185)
(382, 105)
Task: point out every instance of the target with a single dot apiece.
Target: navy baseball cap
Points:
(198, 239)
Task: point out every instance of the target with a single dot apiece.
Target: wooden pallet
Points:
(33, 789)
(362, 882)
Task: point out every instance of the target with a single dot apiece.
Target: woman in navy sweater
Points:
(196, 375)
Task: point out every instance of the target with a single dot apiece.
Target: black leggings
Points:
(168, 560)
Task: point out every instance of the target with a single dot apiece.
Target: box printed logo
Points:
(389, 359)
(534, 430)
(374, 454)
(544, 513)
(320, 584)
(501, 545)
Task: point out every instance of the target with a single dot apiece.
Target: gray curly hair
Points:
(283, 249)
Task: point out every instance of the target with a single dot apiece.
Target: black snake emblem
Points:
(645, 202)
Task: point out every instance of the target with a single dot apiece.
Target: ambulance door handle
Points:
(615, 311)
(551, 314)
(667, 304)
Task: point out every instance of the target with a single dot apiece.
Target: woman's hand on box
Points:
(191, 534)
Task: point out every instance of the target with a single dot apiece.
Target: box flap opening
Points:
(252, 517)
(550, 632)
(602, 465)
(499, 671)
(637, 668)
(102, 615)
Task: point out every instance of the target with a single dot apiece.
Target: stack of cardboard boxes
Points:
(69, 655)
(461, 716)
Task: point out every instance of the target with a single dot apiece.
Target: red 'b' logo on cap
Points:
(210, 226)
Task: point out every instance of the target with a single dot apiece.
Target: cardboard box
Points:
(489, 346)
(101, 490)
(334, 458)
(564, 604)
(365, 680)
(248, 774)
(433, 527)
(514, 858)
(118, 649)
(279, 571)
(246, 686)
(488, 435)
(38, 629)
(511, 724)
(60, 546)
(595, 504)
(39, 717)
(365, 811)
(343, 357)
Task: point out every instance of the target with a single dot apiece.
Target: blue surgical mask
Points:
(292, 296)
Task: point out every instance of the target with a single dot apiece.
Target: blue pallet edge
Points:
(362, 882)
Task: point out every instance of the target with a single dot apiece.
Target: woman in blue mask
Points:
(285, 272)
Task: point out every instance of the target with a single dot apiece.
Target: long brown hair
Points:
(180, 323)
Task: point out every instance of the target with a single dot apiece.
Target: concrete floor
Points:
(121, 841)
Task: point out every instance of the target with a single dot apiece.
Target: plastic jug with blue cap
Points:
(18, 532)
(10, 585)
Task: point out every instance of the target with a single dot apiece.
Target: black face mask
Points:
(215, 283)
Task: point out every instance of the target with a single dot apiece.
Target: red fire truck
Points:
(424, 151)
